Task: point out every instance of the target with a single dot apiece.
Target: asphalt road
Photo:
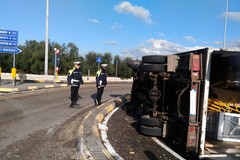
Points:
(31, 116)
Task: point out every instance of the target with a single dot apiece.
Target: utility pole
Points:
(46, 39)
(225, 26)
(116, 68)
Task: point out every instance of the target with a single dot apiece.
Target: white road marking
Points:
(167, 148)
(105, 138)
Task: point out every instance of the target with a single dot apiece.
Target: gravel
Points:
(123, 134)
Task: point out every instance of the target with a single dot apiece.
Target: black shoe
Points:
(98, 103)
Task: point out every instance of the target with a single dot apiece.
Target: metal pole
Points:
(14, 62)
(14, 59)
(0, 75)
(55, 63)
(88, 74)
(46, 39)
(116, 68)
(225, 26)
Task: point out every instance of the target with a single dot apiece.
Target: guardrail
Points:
(40, 78)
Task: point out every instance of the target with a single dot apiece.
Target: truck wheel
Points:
(133, 64)
(153, 68)
(150, 122)
(151, 131)
(155, 59)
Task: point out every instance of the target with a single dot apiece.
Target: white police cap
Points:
(104, 65)
(78, 62)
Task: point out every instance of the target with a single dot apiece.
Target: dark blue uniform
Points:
(75, 80)
(101, 82)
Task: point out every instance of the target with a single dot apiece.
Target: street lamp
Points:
(116, 68)
(225, 26)
(46, 40)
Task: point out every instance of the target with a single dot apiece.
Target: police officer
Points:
(75, 80)
(101, 82)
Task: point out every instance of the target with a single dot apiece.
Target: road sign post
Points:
(0, 74)
(8, 44)
(98, 60)
(55, 64)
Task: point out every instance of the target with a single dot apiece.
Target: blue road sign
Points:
(99, 59)
(8, 32)
(9, 41)
(8, 44)
(10, 50)
(8, 38)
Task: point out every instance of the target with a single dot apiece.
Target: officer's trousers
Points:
(74, 93)
(99, 94)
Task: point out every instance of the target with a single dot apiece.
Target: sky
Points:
(132, 28)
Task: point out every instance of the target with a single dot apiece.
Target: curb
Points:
(30, 88)
(9, 90)
(90, 142)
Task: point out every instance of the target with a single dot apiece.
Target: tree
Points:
(32, 59)
(107, 58)
(6, 62)
(91, 63)
(124, 70)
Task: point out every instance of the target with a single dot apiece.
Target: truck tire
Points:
(133, 64)
(146, 120)
(153, 68)
(151, 131)
(154, 59)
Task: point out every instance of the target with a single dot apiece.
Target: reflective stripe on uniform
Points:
(98, 73)
(70, 71)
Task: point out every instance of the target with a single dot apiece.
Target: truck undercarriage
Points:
(171, 94)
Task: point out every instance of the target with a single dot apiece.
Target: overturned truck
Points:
(191, 100)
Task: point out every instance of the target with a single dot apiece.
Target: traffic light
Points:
(58, 60)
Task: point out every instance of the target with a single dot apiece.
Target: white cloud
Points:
(218, 42)
(190, 38)
(234, 44)
(116, 26)
(111, 42)
(137, 11)
(157, 47)
(164, 47)
(161, 34)
(93, 20)
(232, 15)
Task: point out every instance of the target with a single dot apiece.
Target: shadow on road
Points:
(150, 155)
(115, 95)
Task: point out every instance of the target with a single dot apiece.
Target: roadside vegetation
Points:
(32, 58)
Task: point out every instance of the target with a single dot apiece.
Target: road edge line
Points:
(167, 148)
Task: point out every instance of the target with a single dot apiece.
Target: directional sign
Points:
(8, 44)
(9, 41)
(8, 38)
(10, 50)
(99, 59)
(8, 32)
